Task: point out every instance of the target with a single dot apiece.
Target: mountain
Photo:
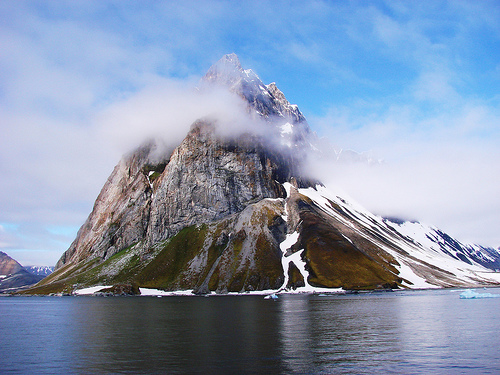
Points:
(40, 270)
(237, 211)
(13, 276)
(8, 265)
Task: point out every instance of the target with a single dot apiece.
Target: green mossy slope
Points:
(334, 261)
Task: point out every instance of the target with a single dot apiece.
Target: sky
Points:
(413, 84)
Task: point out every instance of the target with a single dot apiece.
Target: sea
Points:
(401, 332)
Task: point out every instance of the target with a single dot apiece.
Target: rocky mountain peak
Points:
(228, 62)
(154, 193)
(286, 124)
(13, 276)
(228, 72)
(8, 265)
(277, 93)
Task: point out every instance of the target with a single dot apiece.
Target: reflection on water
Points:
(295, 333)
(404, 332)
(338, 334)
(442, 333)
(181, 334)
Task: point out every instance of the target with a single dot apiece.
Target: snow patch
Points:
(286, 128)
(296, 258)
(493, 277)
(417, 282)
(159, 292)
(91, 290)
(288, 187)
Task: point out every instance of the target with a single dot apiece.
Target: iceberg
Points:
(471, 294)
(271, 296)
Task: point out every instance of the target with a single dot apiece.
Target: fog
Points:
(438, 170)
(166, 111)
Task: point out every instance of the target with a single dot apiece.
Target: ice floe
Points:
(472, 294)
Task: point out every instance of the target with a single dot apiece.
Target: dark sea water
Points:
(420, 332)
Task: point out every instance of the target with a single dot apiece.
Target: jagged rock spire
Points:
(267, 100)
(229, 73)
(230, 59)
(226, 71)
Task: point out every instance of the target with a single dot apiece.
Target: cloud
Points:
(435, 86)
(428, 113)
(32, 244)
(441, 168)
(82, 81)
(167, 109)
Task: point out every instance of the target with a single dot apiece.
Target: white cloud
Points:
(33, 257)
(167, 110)
(441, 169)
(435, 86)
(83, 81)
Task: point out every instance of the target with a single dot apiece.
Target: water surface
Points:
(411, 332)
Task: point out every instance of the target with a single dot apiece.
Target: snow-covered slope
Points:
(426, 256)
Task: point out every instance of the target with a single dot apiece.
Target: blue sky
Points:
(415, 83)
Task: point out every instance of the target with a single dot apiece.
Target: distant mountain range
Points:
(40, 270)
(238, 211)
(13, 276)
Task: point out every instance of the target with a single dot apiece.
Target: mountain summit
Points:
(238, 213)
(265, 102)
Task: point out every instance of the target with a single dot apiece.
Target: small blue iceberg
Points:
(271, 296)
(471, 294)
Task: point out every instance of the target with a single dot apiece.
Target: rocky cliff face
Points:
(121, 212)
(234, 213)
(207, 179)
